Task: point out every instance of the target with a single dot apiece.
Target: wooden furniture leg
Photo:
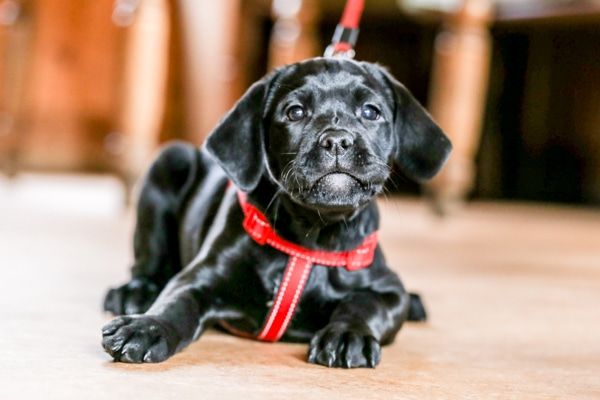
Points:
(294, 36)
(15, 35)
(209, 34)
(145, 48)
(457, 99)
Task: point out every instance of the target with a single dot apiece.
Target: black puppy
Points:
(311, 144)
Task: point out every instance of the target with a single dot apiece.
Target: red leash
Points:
(298, 267)
(346, 32)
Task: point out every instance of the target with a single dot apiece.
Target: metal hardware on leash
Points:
(346, 32)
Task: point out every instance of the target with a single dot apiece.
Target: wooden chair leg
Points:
(294, 36)
(457, 100)
(209, 32)
(15, 35)
(143, 81)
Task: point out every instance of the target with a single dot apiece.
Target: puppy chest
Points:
(320, 283)
(256, 291)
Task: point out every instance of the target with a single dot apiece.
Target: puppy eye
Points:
(370, 112)
(295, 113)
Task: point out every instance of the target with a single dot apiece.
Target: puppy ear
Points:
(422, 148)
(237, 141)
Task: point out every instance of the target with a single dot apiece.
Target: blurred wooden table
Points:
(101, 92)
(461, 65)
(461, 72)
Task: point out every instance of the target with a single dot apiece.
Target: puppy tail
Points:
(416, 310)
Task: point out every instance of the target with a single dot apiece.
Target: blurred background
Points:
(95, 86)
(89, 89)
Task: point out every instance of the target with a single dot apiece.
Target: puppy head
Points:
(327, 131)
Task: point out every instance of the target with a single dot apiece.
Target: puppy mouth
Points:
(338, 191)
(338, 182)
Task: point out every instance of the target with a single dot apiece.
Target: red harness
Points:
(298, 267)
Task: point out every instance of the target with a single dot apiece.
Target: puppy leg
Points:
(178, 317)
(416, 311)
(359, 325)
(156, 243)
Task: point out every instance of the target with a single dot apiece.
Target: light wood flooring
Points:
(513, 294)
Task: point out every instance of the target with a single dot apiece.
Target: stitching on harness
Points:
(279, 299)
(299, 290)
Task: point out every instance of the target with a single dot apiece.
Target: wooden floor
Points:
(513, 294)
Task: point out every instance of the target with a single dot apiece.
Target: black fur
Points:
(315, 178)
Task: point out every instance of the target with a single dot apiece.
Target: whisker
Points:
(321, 218)
(273, 199)
(309, 231)
(345, 222)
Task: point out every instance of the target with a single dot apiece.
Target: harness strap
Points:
(298, 268)
(292, 285)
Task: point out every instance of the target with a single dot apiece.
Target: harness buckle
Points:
(342, 43)
(333, 51)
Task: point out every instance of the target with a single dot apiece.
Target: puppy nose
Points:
(336, 142)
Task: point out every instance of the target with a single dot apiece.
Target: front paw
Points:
(344, 345)
(139, 338)
(134, 297)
